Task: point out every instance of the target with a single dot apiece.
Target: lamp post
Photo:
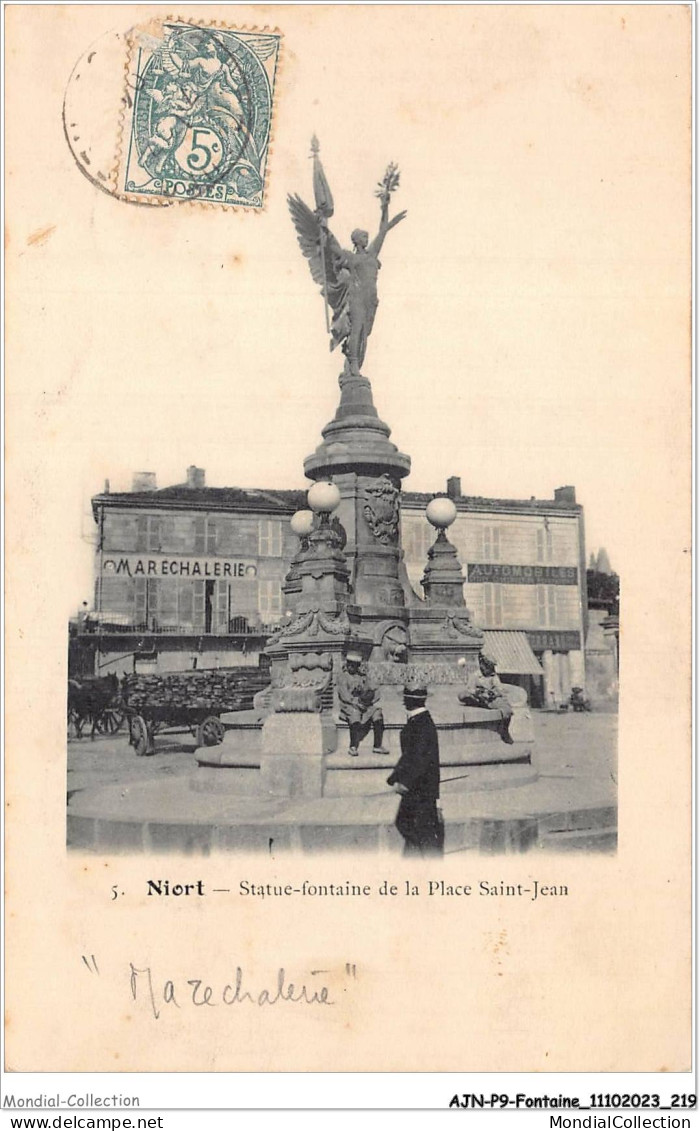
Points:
(443, 580)
(441, 513)
(323, 498)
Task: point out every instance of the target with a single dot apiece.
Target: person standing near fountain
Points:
(360, 705)
(417, 778)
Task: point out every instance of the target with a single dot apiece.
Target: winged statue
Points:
(348, 279)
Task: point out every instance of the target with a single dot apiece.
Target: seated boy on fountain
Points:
(360, 705)
(486, 690)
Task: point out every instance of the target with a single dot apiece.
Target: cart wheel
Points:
(140, 738)
(110, 721)
(210, 732)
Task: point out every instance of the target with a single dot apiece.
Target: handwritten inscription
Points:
(195, 992)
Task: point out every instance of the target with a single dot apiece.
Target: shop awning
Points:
(512, 653)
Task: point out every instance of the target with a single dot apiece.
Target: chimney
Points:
(565, 494)
(144, 481)
(196, 477)
(106, 490)
(454, 487)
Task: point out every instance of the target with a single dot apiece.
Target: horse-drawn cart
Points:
(95, 702)
(184, 703)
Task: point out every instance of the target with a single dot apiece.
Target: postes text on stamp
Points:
(199, 114)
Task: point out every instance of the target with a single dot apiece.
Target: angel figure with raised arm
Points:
(211, 72)
(348, 279)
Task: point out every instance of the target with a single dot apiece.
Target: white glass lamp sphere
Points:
(441, 513)
(302, 523)
(323, 497)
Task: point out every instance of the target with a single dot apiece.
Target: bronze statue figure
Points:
(348, 279)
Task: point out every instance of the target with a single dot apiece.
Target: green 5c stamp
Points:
(198, 114)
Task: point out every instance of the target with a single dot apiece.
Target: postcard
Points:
(348, 541)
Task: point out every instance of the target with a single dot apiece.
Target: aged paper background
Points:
(534, 310)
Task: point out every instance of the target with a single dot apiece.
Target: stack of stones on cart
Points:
(215, 690)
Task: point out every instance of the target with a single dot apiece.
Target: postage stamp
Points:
(198, 114)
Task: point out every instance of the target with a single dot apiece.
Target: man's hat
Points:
(354, 656)
(411, 691)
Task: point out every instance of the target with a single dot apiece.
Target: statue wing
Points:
(320, 251)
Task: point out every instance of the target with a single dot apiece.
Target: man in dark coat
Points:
(417, 778)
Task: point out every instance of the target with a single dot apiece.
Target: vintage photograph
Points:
(289, 656)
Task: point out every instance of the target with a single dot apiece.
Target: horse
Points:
(89, 700)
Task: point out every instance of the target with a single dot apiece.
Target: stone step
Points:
(580, 840)
(578, 820)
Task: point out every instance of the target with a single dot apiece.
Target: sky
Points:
(532, 304)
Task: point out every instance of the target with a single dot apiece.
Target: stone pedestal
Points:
(367, 469)
(292, 763)
(443, 580)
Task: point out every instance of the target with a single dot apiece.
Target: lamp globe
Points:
(302, 523)
(323, 497)
(441, 512)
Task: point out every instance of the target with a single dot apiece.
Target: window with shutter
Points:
(269, 599)
(117, 597)
(544, 544)
(200, 534)
(168, 612)
(546, 605)
(221, 607)
(153, 599)
(153, 533)
(493, 605)
(120, 532)
(270, 538)
(491, 543)
(142, 532)
(186, 604)
(199, 605)
(140, 600)
(224, 536)
(551, 604)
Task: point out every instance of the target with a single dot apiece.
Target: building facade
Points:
(524, 563)
(193, 576)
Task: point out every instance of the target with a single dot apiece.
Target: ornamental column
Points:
(367, 469)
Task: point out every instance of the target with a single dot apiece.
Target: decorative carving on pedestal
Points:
(461, 624)
(302, 683)
(434, 673)
(310, 623)
(339, 536)
(393, 642)
(381, 511)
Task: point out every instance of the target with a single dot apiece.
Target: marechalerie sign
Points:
(133, 565)
(524, 574)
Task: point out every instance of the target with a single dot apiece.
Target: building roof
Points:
(258, 500)
(482, 503)
(243, 499)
